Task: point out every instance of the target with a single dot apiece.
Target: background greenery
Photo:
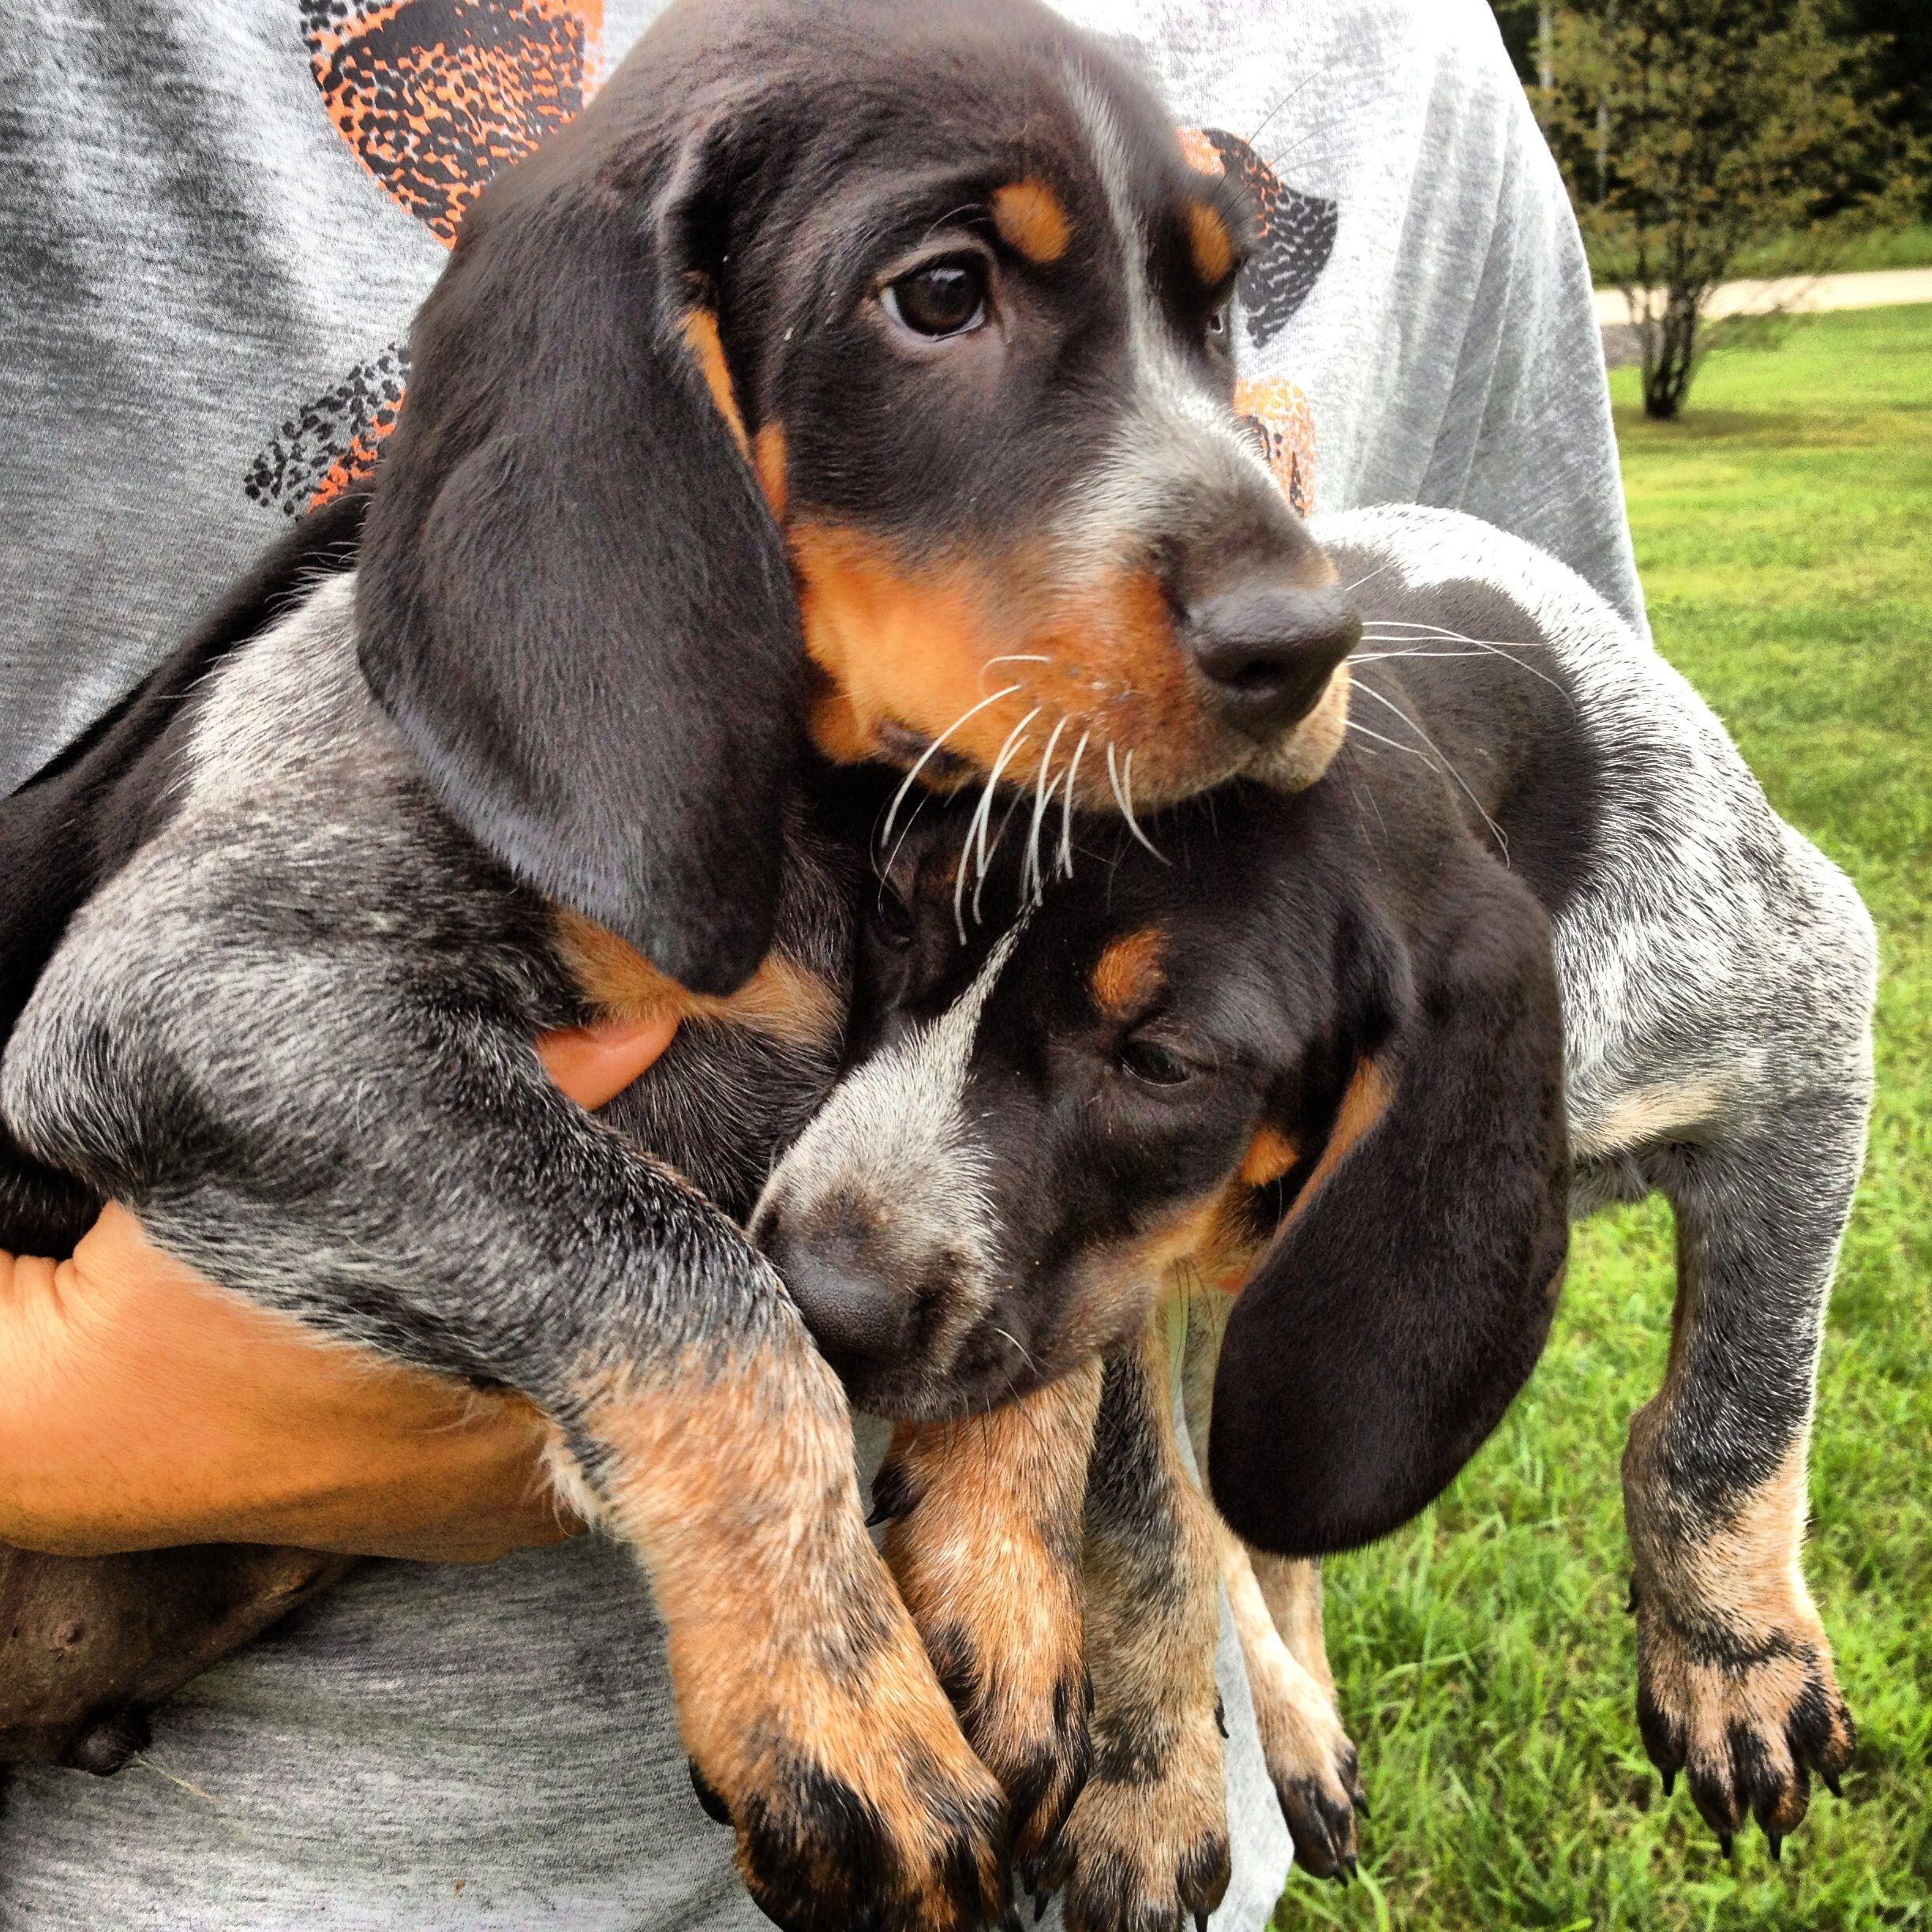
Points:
(1784, 526)
(1902, 76)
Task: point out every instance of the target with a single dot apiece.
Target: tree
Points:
(1692, 131)
(1904, 65)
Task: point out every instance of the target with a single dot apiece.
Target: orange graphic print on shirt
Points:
(434, 98)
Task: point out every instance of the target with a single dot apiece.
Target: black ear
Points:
(574, 599)
(1409, 1292)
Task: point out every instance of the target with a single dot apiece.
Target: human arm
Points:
(141, 1407)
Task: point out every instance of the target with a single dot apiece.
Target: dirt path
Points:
(1880, 288)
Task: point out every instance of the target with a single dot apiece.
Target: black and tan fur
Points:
(1311, 1050)
(698, 467)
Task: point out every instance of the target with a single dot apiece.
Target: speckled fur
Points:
(295, 1034)
(1718, 973)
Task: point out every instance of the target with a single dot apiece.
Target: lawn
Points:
(1486, 1664)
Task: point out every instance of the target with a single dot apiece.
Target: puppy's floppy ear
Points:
(1409, 1292)
(574, 599)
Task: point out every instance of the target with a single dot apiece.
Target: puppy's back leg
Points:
(1735, 1684)
(1275, 1602)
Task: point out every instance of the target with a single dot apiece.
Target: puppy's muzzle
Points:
(1267, 652)
(859, 1317)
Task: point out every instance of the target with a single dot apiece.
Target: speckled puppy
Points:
(1313, 1051)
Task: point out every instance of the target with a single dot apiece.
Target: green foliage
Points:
(1693, 131)
(1903, 69)
(1484, 1662)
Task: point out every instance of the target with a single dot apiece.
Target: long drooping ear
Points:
(1409, 1292)
(574, 599)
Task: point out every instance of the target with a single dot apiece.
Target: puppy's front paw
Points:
(856, 1799)
(985, 1546)
(1146, 1848)
(1746, 1711)
(811, 1715)
(1311, 1762)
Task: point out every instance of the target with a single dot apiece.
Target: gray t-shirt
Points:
(210, 249)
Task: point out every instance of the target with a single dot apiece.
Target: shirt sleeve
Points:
(1526, 439)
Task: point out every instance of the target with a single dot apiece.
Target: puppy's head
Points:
(1319, 1069)
(861, 363)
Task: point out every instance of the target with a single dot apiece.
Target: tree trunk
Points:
(1668, 365)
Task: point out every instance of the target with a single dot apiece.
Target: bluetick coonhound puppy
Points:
(855, 370)
(1534, 943)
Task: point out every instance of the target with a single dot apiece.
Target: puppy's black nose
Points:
(1267, 652)
(857, 1315)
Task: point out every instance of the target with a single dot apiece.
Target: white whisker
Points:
(1127, 807)
(1368, 577)
(1014, 739)
(1032, 884)
(1066, 809)
(977, 826)
(1425, 634)
(1299, 87)
(892, 811)
(1362, 731)
(1443, 763)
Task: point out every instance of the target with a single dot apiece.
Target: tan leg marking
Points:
(782, 998)
(1291, 1587)
(804, 1695)
(1735, 1680)
(1311, 1760)
(1654, 1112)
(1148, 1839)
(987, 1559)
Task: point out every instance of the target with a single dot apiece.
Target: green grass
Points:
(1785, 530)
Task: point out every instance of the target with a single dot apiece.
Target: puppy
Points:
(870, 384)
(1534, 943)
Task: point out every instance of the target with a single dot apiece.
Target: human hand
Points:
(141, 1407)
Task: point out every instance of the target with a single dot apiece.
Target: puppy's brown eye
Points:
(943, 298)
(1149, 1061)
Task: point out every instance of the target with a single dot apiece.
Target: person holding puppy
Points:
(215, 252)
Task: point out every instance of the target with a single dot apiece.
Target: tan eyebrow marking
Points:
(1031, 217)
(1213, 247)
(1128, 971)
